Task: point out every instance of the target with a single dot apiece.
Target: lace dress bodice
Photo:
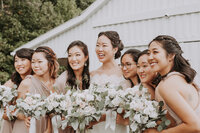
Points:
(171, 112)
(114, 80)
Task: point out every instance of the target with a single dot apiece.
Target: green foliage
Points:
(24, 20)
(6, 60)
(83, 4)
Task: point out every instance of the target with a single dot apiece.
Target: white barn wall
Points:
(137, 22)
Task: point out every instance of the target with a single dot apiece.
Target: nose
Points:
(73, 57)
(124, 68)
(100, 48)
(139, 70)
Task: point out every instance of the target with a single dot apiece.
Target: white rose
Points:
(82, 104)
(134, 126)
(89, 110)
(137, 118)
(151, 124)
(28, 100)
(116, 101)
(89, 97)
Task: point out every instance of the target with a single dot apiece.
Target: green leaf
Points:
(159, 128)
(119, 110)
(167, 122)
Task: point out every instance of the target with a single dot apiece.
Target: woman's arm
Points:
(170, 90)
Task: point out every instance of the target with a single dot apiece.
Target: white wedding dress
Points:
(113, 80)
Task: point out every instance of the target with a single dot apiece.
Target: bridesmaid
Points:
(45, 66)
(128, 66)
(180, 95)
(146, 74)
(77, 70)
(22, 64)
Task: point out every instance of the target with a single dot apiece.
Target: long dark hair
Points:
(71, 78)
(52, 60)
(171, 46)
(134, 54)
(21, 53)
(115, 41)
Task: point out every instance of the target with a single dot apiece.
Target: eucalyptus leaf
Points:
(119, 110)
(167, 122)
(159, 128)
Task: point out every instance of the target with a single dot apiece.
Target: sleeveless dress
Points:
(60, 85)
(37, 87)
(114, 81)
(171, 112)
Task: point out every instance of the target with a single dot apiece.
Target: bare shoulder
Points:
(171, 84)
(9, 83)
(98, 71)
(25, 84)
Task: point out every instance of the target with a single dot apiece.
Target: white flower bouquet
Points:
(143, 113)
(32, 106)
(56, 103)
(82, 109)
(7, 95)
(114, 104)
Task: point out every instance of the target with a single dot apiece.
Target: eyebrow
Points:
(76, 53)
(154, 48)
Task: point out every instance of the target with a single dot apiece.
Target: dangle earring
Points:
(85, 64)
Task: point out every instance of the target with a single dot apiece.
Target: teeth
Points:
(101, 54)
(20, 68)
(153, 64)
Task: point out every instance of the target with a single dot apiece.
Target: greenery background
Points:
(23, 20)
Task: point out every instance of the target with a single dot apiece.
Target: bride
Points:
(108, 49)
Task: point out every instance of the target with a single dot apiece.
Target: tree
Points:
(24, 20)
(83, 4)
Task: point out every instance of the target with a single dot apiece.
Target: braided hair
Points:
(171, 46)
(52, 60)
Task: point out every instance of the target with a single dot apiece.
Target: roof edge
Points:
(65, 26)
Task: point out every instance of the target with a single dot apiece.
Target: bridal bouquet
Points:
(82, 110)
(143, 113)
(32, 106)
(57, 104)
(114, 103)
(7, 95)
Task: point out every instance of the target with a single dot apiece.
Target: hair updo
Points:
(52, 60)
(115, 41)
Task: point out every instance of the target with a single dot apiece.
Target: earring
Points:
(85, 64)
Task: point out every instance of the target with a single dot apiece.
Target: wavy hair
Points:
(51, 58)
(71, 78)
(171, 46)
